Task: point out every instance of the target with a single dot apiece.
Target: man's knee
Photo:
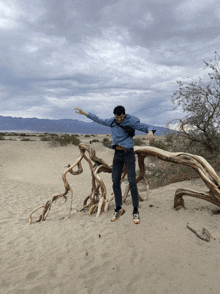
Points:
(116, 184)
(133, 186)
(132, 181)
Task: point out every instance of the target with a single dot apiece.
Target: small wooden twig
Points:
(30, 217)
(205, 235)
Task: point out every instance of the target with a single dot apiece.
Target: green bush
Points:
(44, 138)
(26, 139)
(60, 140)
(159, 144)
(64, 140)
(13, 134)
(106, 142)
(2, 136)
(138, 142)
(160, 173)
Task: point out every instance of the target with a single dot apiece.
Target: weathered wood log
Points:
(47, 206)
(98, 200)
(198, 163)
(97, 183)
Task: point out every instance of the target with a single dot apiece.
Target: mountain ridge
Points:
(74, 126)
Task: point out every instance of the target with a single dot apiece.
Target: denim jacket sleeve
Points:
(119, 135)
(104, 122)
(137, 125)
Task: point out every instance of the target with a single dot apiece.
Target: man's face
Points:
(119, 118)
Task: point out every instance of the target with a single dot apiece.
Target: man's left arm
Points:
(145, 128)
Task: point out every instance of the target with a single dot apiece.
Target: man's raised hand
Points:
(150, 136)
(79, 111)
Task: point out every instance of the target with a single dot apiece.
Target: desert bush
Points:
(64, 140)
(106, 142)
(45, 138)
(162, 173)
(200, 102)
(159, 144)
(178, 143)
(13, 134)
(26, 139)
(138, 142)
(94, 140)
(2, 136)
(60, 140)
(198, 132)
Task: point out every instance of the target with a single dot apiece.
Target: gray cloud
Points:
(56, 55)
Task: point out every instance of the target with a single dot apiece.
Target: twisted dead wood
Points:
(47, 206)
(198, 163)
(98, 201)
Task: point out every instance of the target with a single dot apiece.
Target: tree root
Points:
(96, 202)
(198, 163)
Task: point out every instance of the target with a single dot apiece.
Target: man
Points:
(124, 154)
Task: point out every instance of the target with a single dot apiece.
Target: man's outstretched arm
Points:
(104, 122)
(79, 111)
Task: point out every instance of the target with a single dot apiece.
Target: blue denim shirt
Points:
(119, 135)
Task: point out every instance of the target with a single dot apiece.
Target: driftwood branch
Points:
(205, 235)
(97, 200)
(199, 164)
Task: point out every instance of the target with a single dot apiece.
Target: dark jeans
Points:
(127, 157)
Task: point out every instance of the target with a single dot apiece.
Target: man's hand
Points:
(79, 111)
(150, 136)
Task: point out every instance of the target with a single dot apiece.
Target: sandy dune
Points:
(92, 255)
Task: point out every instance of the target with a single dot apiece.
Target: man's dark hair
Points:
(118, 110)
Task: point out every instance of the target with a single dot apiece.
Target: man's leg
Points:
(130, 167)
(116, 178)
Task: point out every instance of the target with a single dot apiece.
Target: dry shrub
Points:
(60, 140)
(106, 142)
(216, 164)
(161, 173)
(2, 136)
(138, 142)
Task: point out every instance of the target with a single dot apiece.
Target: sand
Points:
(85, 254)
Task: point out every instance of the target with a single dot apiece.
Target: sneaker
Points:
(117, 214)
(136, 218)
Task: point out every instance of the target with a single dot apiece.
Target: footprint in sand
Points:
(32, 275)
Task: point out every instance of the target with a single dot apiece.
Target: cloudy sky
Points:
(97, 54)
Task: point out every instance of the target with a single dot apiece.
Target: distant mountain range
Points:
(72, 126)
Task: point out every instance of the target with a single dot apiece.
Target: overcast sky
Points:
(97, 54)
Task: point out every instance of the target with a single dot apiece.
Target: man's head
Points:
(119, 113)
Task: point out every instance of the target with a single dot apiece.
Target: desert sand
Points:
(85, 254)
